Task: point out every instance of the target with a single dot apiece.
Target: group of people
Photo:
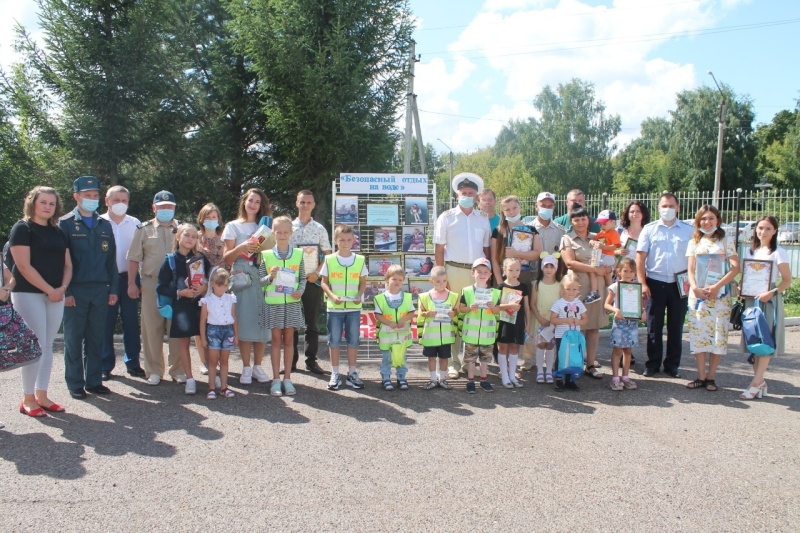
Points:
(232, 285)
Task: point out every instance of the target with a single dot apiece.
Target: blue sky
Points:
(484, 61)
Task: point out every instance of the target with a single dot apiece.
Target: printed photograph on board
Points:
(385, 239)
(417, 287)
(413, 239)
(374, 287)
(346, 210)
(419, 265)
(416, 210)
(379, 264)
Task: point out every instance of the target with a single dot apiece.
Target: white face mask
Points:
(667, 214)
(119, 209)
(515, 218)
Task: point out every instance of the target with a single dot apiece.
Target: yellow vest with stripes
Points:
(271, 259)
(435, 333)
(344, 281)
(479, 326)
(386, 335)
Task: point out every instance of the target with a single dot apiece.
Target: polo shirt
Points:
(666, 249)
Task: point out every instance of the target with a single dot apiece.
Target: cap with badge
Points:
(467, 179)
(164, 197)
(86, 183)
(605, 216)
(481, 261)
(546, 196)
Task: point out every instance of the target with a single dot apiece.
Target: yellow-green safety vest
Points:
(386, 335)
(436, 333)
(344, 281)
(271, 259)
(480, 325)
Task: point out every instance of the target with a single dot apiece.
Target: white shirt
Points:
(345, 262)
(123, 236)
(219, 308)
(464, 236)
(666, 249)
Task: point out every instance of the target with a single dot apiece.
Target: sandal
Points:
(211, 395)
(548, 378)
(227, 392)
(711, 385)
(696, 384)
(387, 385)
(540, 377)
(592, 371)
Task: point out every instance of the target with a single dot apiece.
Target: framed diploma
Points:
(630, 300)
(709, 270)
(756, 276)
(682, 279)
(310, 257)
(631, 245)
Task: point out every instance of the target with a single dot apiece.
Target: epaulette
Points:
(68, 216)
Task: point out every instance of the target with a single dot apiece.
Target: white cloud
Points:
(12, 12)
(517, 47)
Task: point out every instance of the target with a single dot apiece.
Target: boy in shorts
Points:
(608, 241)
(479, 310)
(344, 279)
(435, 326)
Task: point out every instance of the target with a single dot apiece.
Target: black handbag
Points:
(736, 314)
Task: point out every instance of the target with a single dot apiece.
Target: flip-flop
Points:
(592, 372)
(54, 407)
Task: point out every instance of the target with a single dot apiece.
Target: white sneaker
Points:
(180, 378)
(452, 373)
(191, 386)
(507, 385)
(516, 383)
(217, 382)
(203, 369)
(259, 374)
(154, 379)
(247, 375)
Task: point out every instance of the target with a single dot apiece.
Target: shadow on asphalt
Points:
(33, 454)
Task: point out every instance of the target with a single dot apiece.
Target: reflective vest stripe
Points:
(344, 281)
(271, 259)
(479, 326)
(386, 335)
(435, 333)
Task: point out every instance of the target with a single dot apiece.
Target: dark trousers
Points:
(665, 300)
(312, 300)
(128, 310)
(85, 324)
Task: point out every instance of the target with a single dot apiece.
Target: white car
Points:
(789, 232)
(746, 229)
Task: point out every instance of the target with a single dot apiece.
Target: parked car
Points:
(789, 232)
(746, 229)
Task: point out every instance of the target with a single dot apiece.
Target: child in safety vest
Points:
(283, 278)
(479, 307)
(394, 311)
(436, 328)
(344, 279)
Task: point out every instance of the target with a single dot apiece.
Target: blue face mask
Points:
(88, 205)
(165, 215)
(709, 231)
(467, 202)
(545, 214)
(211, 224)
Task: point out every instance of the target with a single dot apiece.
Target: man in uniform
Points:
(126, 308)
(151, 242)
(308, 233)
(93, 288)
(461, 236)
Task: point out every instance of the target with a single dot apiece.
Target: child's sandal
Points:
(227, 392)
(212, 395)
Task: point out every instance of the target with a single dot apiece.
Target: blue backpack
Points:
(571, 355)
(757, 334)
(165, 302)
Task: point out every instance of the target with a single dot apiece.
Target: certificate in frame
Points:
(630, 300)
(631, 245)
(756, 277)
(311, 257)
(682, 279)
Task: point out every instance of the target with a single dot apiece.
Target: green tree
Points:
(334, 75)
(570, 146)
(778, 143)
(695, 132)
(646, 164)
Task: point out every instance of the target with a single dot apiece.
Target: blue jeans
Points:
(350, 321)
(386, 367)
(129, 311)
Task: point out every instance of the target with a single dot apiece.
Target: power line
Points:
(618, 40)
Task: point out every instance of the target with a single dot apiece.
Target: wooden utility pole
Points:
(412, 115)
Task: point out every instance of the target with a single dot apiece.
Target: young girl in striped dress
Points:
(284, 280)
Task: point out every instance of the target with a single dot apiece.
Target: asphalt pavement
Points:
(660, 458)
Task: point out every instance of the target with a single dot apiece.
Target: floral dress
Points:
(709, 320)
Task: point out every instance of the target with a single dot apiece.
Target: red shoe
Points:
(54, 407)
(36, 413)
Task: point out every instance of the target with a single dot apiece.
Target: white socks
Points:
(544, 364)
(512, 366)
(503, 362)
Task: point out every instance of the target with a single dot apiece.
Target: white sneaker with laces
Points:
(259, 374)
(154, 379)
(180, 378)
(335, 382)
(203, 369)
(452, 373)
(247, 375)
(354, 381)
(191, 386)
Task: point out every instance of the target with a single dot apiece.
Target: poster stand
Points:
(394, 217)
